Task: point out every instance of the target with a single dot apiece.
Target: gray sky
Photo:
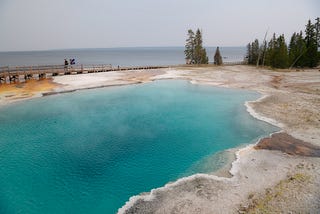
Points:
(63, 24)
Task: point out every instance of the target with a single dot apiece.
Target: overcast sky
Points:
(64, 24)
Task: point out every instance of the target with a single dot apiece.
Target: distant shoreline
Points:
(113, 48)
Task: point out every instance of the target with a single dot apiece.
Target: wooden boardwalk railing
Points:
(236, 63)
(23, 73)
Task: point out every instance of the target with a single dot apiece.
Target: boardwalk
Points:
(243, 62)
(23, 73)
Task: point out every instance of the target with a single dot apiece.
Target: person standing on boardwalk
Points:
(72, 62)
(66, 64)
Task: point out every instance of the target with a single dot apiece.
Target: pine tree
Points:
(293, 52)
(281, 59)
(255, 48)
(249, 54)
(189, 47)
(311, 59)
(217, 57)
(263, 53)
(204, 57)
(194, 52)
(198, 47)
(253, 52)
(277, 52)
(200, 54)
(270, 53)
(317, 28)
(297, 50)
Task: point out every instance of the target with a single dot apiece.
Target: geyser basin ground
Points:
(90, 151)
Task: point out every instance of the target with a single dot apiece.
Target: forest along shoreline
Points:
(270, 180)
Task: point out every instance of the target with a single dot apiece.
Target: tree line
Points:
(301, 52)
(195, 52)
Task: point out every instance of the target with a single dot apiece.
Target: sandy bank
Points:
(20, 91)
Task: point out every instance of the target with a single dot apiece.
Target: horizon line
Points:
(120, 47)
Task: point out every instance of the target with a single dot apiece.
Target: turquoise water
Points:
(89, 151)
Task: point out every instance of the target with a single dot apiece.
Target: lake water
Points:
(114, 56)
(89, 151)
